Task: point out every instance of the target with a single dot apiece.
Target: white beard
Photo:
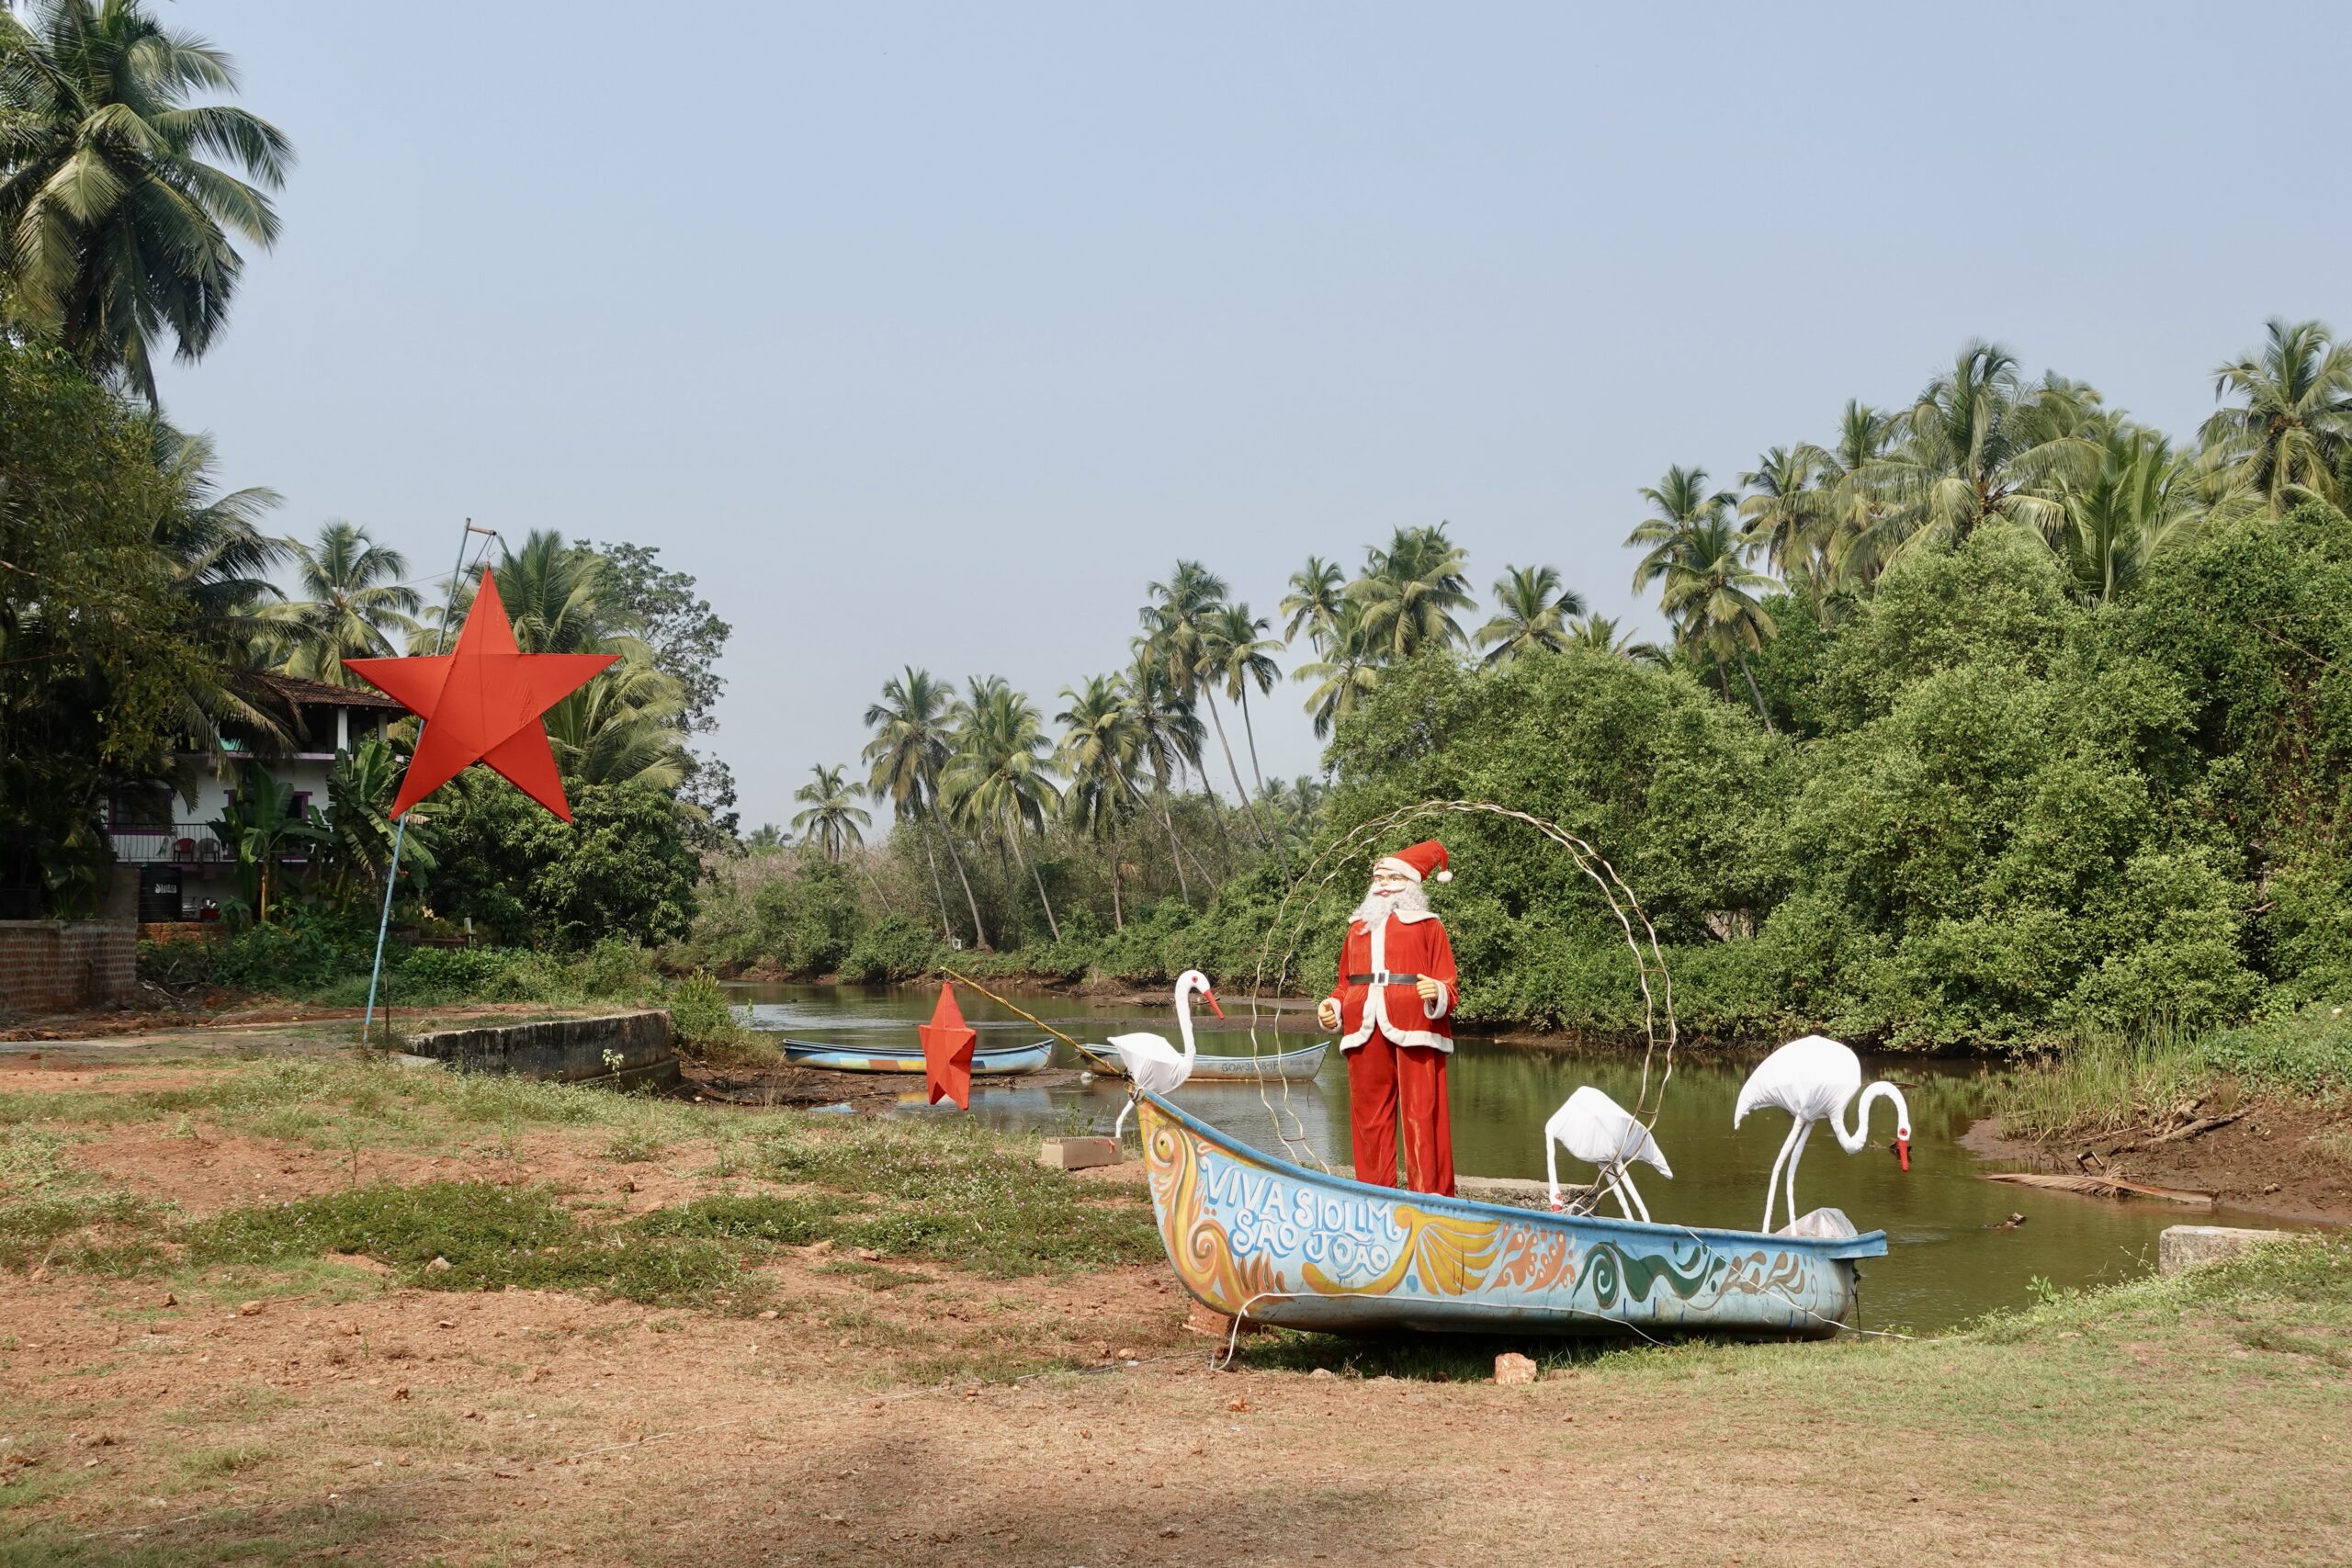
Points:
(1378, 906)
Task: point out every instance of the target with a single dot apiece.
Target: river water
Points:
(1950, 1257)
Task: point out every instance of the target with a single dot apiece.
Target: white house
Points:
(164, 838)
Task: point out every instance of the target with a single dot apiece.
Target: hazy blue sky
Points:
(932, 335)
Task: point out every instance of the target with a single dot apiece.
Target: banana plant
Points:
(260, 824)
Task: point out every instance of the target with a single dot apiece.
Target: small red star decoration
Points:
(483, 703)
(947, 1044)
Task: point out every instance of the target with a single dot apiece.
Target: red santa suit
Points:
(1396, 1045)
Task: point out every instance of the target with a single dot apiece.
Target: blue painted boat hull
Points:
(1253, 1235)
(1005, 1062)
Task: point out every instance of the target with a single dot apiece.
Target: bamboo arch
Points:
(1660, 1033)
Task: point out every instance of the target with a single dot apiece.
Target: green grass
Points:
(2102, 1082)
(961, 1195)
(490, 1236)
(775, 1219)
(104, 1233)
(953, 1194)
(302, 1533)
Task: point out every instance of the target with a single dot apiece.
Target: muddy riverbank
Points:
(2288, 1159)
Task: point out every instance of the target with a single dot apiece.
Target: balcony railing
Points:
(184, 843)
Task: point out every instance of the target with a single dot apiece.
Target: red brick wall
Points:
(56, 965)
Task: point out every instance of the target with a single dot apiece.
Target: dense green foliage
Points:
(2039, 733)
(97, 637)
(622, 866)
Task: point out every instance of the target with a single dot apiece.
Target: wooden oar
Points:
(967, 980)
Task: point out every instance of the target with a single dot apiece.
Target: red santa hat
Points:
(1417, 861)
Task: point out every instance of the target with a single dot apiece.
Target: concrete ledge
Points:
(623, 1048)
(2182, 1247)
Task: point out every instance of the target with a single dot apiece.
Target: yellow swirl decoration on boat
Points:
(1450, 1254)
(1196, 1244)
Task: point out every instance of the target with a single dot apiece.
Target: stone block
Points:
(1078, 1154)
(2182, 1247)
(629, 1048)
(1513, 1370)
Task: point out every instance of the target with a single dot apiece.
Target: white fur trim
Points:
(1376, 1000)
(1445, 1003)
(1402, 867)
(1445, 876)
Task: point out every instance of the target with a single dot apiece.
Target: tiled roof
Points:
(318, 693)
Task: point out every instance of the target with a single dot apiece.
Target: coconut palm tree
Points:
(114, 229)
(767, 836)
(1407, 593)
(997, 779)
(1344, 677)
(1531, 614)
(1101, 740)
(1709, 590)
(353, 600)
(628, 725)
(833, 818)
(1982, 442)
(1851, 508)
(218, 561)
(554, 590)
(1787, 514)
(1680, 503)
(911, 744)
(1312, 605)
(2143, 502)
(1169, 737)
(2292, 435)
(1243, 656)
(1181, 632)
(557, 594)
(1600, 634)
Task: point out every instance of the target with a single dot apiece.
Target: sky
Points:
(930, 335)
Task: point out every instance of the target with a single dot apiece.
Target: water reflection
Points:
(1949, 1257)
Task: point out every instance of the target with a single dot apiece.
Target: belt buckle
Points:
(1380, 976)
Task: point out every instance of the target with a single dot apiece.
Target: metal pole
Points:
(399, 834)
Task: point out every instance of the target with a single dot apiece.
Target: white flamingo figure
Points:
(1814, 1079)
(1599, 1130)
(1153, 1064)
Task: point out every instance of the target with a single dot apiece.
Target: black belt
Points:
(1386, 978)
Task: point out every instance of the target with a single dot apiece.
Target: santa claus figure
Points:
(1394, 1006)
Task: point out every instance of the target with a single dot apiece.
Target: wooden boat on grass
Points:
(1252, 1236)
(1297, 1066)
(1002, 1061)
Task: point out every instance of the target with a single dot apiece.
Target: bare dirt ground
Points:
(889, 1412)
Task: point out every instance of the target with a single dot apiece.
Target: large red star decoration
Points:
(947, 1044)
(482, 704)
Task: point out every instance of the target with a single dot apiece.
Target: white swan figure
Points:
(1814, 1079)
(1153, 1064)
(1599, 1130)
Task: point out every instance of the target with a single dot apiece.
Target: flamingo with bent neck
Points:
(1814, 1079)
(1153, 1064)
(1598, 1130)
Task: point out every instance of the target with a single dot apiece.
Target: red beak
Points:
(1210, 998)
(1903, 1152)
